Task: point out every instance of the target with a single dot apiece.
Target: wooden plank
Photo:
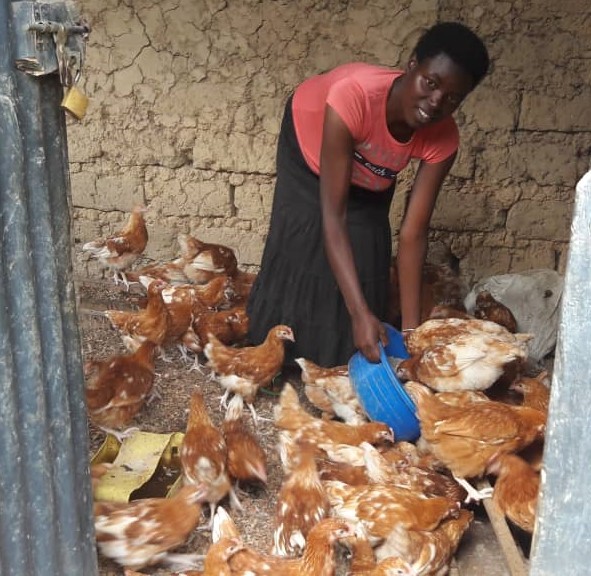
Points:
(512, 553)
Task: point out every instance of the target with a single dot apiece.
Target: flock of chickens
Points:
(397, 507)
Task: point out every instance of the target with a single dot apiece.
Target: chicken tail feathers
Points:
(235, 407)
(289, 403)
(212, 344)
(289, 397)
(93, 247)
(223, 526)
(304, 365)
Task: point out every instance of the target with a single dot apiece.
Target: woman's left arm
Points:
(412, 240)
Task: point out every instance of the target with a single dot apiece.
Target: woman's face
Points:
(434, 89)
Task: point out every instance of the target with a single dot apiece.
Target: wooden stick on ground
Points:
(512, 552)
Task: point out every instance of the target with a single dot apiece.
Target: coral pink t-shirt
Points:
(358, 93)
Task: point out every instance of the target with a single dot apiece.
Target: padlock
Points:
(75, 102)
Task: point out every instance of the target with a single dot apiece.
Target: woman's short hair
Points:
(458, 42)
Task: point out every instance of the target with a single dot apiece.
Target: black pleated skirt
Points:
(295, 285)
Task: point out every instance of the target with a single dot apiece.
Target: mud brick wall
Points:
(187, 97)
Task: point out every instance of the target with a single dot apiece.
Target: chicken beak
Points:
(259, 472)
(145, 281)
(391, 437)
(236, 546)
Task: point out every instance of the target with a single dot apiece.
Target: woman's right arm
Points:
(335, 178)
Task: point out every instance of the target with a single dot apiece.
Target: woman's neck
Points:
(397, 125)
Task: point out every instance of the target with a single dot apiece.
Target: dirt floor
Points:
(175, 382)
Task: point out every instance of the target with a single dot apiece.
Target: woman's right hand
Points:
(367, 332)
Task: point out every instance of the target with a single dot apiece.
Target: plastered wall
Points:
(187, 97)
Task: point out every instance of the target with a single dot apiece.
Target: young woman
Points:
(344, 137)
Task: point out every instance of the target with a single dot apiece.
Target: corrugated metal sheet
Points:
(46, 524)
(562, 540)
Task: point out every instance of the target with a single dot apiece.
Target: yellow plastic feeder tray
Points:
(145, 465)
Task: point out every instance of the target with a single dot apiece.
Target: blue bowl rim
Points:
(399, 388)
(394, 379)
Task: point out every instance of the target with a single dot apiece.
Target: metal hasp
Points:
(37, 26)
(562, 538)
(46, 520)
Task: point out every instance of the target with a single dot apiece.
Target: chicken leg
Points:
(473, 494)
(120, 434)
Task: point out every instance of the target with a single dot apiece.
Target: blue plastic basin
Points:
(381, 394)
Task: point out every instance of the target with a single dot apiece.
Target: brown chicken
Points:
(204, 261)
(313, 376)
(468, 362)
(215, 563)
(244, 370)
(203, 455)
(218, 556)
(169, 272)
(318, 558)
(516, 489)
(398, 454)
(424, 481)
(440, 285)
(408, 453)
(228, 326)
(119, 251)
(462, 397)
(182, 304)
(223, 526)
(429, 552)
(535, 391)
(172, 272)
(143, 532)
(347, 473)
(300, 425)
(364, 563)
(330, 390)
(465, 438)
(118, 387)
(343, 453)
(243, 282)
(301, 504)
(151, 323)
(217, 293)
(246, 461)
(445, 330)
(190, 342)
(534, 454)
(382, 507)
(488, 308)
(441, 311)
